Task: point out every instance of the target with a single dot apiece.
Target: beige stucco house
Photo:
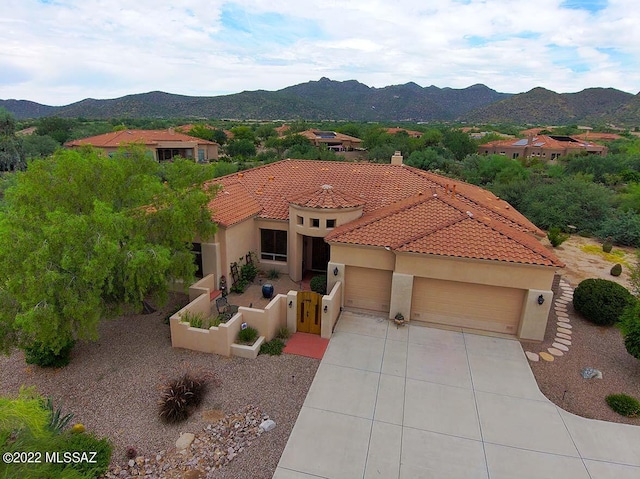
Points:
(399, 239)
(545, 147)
(164, 144)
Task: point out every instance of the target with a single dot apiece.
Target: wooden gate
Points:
(309, 312)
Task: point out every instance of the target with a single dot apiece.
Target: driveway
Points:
(418, 402)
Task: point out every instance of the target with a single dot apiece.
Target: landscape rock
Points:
(591, 373)
(185, 440)
(267, 425)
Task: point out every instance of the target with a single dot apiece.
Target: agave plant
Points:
(57, 422)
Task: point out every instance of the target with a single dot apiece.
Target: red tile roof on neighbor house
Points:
(543, 141)
(147, 137)
(404, 209)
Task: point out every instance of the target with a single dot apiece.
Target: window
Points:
(201, 155)
(300, 220)
(516, 155)
(331, 223)
(196, 250)
(273, 245)
(315, 222)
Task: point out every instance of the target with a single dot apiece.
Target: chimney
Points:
(396, 159)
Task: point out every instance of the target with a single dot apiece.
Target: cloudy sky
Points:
(61, 51)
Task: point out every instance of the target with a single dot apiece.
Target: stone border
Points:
(563, 338)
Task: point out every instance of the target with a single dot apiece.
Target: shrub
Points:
(238, 286)
(607, 245)
(273, 274)
(131, 452)
(180, 397)
(248, 272)
(42, 355)
(616, 270)
(630, 326)
(247, 335)
(319, 284)
(601, 301)
(195, 320)
(283, 333)
(273, 347)
(83, 443)
(57, 422)
(624, 405)
(557, 237)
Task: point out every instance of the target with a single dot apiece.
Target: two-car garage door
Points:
(467, 305)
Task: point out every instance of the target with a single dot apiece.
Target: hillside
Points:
(327, 99)
(541, 106)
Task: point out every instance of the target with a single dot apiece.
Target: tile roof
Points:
(320, 135)
(326, 197)
(404, 208)
(542, 141)
(147, 137)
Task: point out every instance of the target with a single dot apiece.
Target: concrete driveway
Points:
(419, 402)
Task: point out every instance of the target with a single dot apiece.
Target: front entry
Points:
(308, 312)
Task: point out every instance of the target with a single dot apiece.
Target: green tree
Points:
(83, 234)
(243, 133)
(266, 131)
(459, 143)
(57, 128)
(203, 132)
(38, 146)
(241, 148)
(11, 152)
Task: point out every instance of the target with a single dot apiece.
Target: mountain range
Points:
(327, 99)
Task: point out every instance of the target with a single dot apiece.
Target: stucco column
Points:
(211, 260)
(401, 294)
(533, 323)
(292, 311)
(332, 279)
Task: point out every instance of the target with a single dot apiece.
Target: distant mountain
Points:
(327, 99)
(541, 106)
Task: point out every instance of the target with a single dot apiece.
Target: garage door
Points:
(467, 305)
(367, 288)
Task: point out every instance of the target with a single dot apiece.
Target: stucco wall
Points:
(493, 273)
(364, 256)
(332, 302)
(235, 242)
(267, 320)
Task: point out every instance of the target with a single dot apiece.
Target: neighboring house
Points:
(598, 136)
(548, 147)
(411, 133)
(332, 140)
(164, 144)
(401, 240)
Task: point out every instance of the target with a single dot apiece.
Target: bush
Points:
(273, 347)
(42, 355)
(319, 284)
(283, 333)
(248, 272)
(84, 443)
(273, 274)
(557, 237)
(247, 335)
(180, 397)
(630, 326)
(616, 270)
(601, 301)
(624, 405)
(195, 320)
(607, 245)
(57, 422)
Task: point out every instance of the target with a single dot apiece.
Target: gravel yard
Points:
(591, 346)
(112, 386)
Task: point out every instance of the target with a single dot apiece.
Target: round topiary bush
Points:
(616, 270)
(624, 405)
(601, 301)
(319, 284)
(630, 326)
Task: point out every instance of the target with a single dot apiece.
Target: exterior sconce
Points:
(540, 299)
(335, 271)
(325, 308)
(290, 304)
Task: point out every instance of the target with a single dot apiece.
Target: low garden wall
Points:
(332, 302)
(219, 339)
(205, 285)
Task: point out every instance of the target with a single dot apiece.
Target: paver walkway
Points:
(419, 402)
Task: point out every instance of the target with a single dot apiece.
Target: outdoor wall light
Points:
(335, 271)
(325, 308)
(291, 304)
(540, 299)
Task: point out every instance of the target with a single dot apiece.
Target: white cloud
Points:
(63, 51)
